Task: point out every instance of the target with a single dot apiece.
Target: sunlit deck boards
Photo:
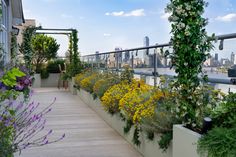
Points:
(87, 135)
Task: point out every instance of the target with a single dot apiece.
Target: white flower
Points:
(188, 7)
(187, 33)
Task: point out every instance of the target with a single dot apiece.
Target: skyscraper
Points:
(232, 58)
(97, 56)
(146, 52)
(216, 57)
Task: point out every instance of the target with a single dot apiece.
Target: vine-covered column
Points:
(191, 46)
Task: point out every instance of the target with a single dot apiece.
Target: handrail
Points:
(219, 37)
(155, 72)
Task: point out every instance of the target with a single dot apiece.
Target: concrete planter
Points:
(37, 81)
(184, 142)
(71, 84)
(147, 148)
(51, 81)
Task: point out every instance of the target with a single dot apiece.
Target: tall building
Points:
(97, 56)
(146, 52)
(216, 57)
(127, 57)
(232, 58)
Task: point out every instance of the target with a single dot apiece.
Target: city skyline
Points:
(105, 24)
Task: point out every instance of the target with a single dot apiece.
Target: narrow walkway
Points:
(87, 135)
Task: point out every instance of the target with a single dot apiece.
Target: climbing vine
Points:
(26, 47)
(191, 45)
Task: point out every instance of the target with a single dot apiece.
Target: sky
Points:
(106, 24)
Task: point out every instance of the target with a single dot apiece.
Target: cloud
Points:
(165, 15)
(135, 13)
(106, 34)
(227, 18)
(66, 16)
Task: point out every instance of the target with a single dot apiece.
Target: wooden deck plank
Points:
(87, 135)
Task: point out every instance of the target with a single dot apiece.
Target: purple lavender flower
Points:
(19, 87)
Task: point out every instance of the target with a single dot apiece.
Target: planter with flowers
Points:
(115, 93)
(20, 119)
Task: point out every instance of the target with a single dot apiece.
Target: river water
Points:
(210, 72)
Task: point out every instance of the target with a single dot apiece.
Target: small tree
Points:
(44, 49)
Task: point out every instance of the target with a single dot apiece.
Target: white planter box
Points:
(71, 84)
(37, 81)
(51, 81)
(147, 148)
(184, 142)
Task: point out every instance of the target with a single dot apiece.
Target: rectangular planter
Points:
(51, 81)
(147, 148)
(37, 81)
(71, 84)
(184, 142)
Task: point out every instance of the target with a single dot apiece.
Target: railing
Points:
(153, 58)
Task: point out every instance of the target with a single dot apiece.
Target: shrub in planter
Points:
(44, 74)
(80, 77)
(218, 142)
(221, 140)
(133, 105)
(88, 82)
(53, 66)
(19, 119)
(162, 121)
(102, 85)
(111, 98)
(106, 81)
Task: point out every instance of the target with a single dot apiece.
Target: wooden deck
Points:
(87, 135)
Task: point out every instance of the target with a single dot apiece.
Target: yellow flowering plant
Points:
(88, 82)
(133, 105)
(107, 81)
(111, 98)
(80, 77)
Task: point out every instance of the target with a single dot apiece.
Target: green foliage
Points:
(53, 66)
(44, 74)
(136, 135)
(165, 140)
(106, 81)
(75, 66)
(129, 124)
(219, 142)
(13, 47)
(9, 78)
(191, 48)
(224, 115)
(127, 75)
(6, 138)
(150, 135)
(44, 48)
(26, 47)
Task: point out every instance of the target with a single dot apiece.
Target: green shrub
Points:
(44, 74)
(103, 84)
(224, 115)
(219, 142)
(53, 66)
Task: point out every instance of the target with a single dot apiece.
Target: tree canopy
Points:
(44, 48)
